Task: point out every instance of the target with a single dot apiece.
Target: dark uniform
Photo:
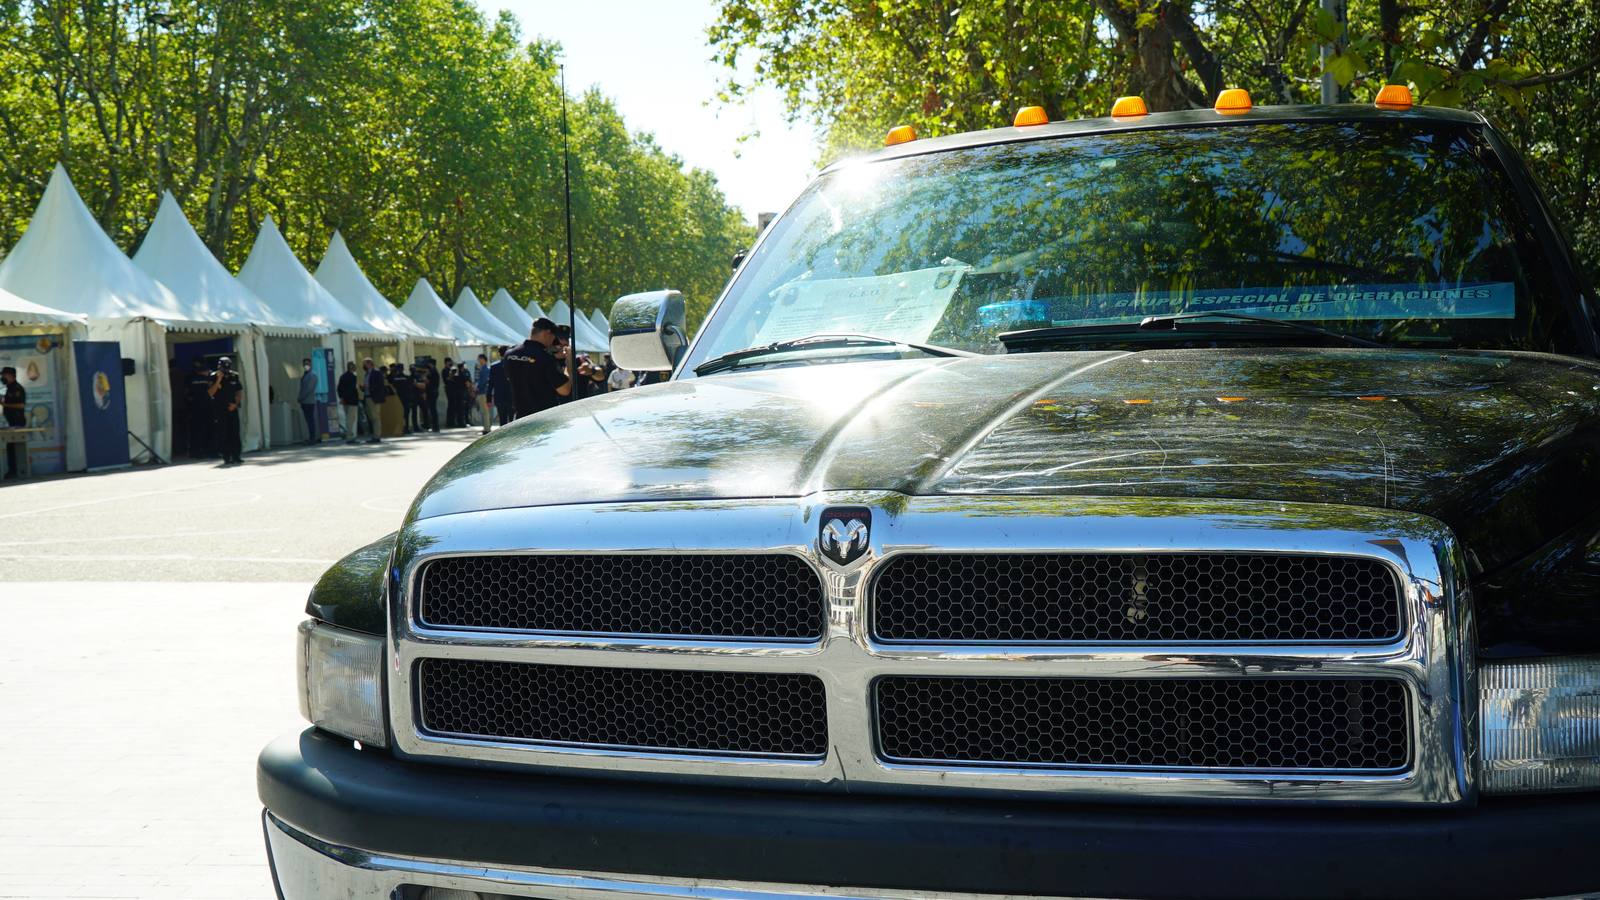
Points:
(202, 422)
(455, 398)
(406, 390)
(14, 401)
(225, 404)
(430, 398)
(535, 375)
(505, 404)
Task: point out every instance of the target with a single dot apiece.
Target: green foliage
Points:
(857, 67)
(429, 134)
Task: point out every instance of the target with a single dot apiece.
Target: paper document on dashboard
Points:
(905, 306)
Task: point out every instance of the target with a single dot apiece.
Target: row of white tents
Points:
(66, 277)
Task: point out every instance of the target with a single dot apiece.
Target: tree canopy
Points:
(858, 67)
(429, 134)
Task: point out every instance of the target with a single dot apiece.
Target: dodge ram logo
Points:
(845, 534)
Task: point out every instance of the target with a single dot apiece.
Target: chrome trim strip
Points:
(309, 868)
(1429, 657)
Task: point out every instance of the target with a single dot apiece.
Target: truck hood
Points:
(1501, 444)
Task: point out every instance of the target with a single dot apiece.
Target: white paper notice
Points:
(905, 306)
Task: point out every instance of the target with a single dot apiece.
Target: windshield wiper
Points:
(817, 342)
(1170, 323)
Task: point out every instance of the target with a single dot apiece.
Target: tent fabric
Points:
(15, 311)
(342, 277)
(505, 308)
(173, 254)
(584, 335)
(65, 261)
(427, 310)
(601, 326)
(277, 277)
(470, 308)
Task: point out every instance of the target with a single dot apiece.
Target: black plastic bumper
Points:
(1523, 848)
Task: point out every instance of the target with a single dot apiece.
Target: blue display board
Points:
(103, 401)
(41, 372)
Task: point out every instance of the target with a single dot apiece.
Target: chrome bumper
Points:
(308, 868)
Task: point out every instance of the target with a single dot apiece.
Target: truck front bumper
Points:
(341, 822)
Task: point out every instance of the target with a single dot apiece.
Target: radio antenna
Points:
(572, 300)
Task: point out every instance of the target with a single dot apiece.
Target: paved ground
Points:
(141, 669)
(284, 515)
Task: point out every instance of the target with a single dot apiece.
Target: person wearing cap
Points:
(14, 401)
(227, 397)
(537, 372)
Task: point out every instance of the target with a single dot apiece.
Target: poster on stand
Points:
(36, 358)
(103, 400)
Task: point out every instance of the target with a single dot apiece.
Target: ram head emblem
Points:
(845, 535)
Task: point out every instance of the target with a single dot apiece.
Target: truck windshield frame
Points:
(1409, 233)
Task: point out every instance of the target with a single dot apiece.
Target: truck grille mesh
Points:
(1047, 597)
(772, 714)
(1242, 724)
(772, 596)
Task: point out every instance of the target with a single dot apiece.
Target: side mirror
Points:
(648, 331)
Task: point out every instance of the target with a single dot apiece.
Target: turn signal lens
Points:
(899, 135)
(1128, 106)
(1540, 721)
(1233, 101)
(1393, 96)
(1031, 115)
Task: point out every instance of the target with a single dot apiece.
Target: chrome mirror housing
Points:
(648, 331)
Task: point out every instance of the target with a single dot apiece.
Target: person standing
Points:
(505, 407)
(538, 375)
(227, 397)
(405, 389)
(430, 397)
(308, 402)
(377, 392)
(202, 420)
(349, 392)
(480, 384)
(14, 402)
(454, 405)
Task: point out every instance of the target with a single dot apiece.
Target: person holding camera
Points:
(227, 398)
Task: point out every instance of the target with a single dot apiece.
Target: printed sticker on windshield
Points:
(1483, 300)
(904, 306)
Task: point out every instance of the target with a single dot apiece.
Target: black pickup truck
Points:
(1194, 504)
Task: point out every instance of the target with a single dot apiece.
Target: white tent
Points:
(278, 277)
(342, 277)
(470, 308)
(427, 310)
(584, 335)
(508, 310)
(65, 260)
(601, 326)
(33, 334)
(173, 254)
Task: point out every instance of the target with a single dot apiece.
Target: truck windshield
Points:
(1403, 233)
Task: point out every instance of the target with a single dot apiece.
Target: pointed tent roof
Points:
(65, 261)
(341, 276)
(508, 310)
(173, 254)
(470, 308)
(601, 326)
(16, 311)
(535, 311)
(278, 278)
(584, 334)
(427, 310)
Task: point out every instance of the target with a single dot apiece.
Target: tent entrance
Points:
(284, 356)
(191, 420)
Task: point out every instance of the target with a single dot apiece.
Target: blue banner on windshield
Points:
(1485, 300)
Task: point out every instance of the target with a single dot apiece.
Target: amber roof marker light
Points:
(1031, 115)
(1393, 96)
(1128, 107)
(1233, 101)
(899, 135)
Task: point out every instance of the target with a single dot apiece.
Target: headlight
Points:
(341, 682)
(1541, 725)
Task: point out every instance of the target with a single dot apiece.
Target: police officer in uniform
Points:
(202, 424)
(227, 396)
(538, 375)
(14, 401)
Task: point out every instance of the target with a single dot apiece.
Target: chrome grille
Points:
(1239, 724)
(771, 596)
(1155, 597)
(767, 714)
